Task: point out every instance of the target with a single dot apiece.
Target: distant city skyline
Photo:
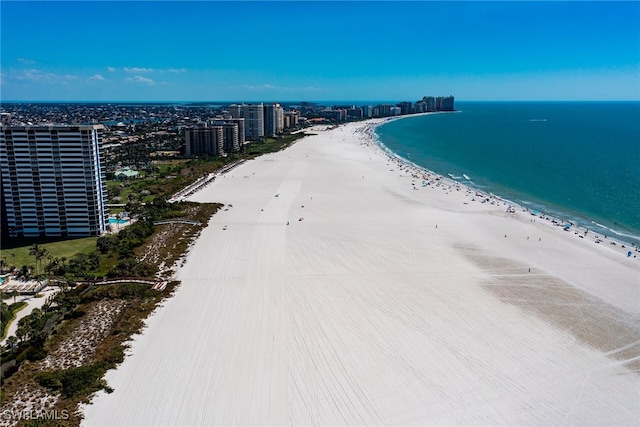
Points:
(317, 51)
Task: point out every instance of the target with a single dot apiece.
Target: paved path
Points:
(32, 302)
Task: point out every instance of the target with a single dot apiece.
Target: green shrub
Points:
(119, 291)
(50, 380)
(77, 313)
(131, 267)
(8, 314)
(22, 356)
(74, 381)
(36, 353)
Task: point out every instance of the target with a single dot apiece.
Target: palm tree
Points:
(47, 255)
(34, 251)
(44, 254)
(55, 265)
(38, 253)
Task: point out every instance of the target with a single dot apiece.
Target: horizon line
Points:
(13, 101)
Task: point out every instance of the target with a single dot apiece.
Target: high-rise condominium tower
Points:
(207, 140)
(53, 181)
(253, 115)
(273, 119)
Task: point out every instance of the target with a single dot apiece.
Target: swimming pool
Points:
(118, 221)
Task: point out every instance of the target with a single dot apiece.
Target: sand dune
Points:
(385, 305)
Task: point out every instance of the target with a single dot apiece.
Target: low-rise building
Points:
(126, 173)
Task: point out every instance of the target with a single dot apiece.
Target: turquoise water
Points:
(118, 221)
(578, 161)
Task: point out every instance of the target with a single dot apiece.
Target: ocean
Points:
(575, 161)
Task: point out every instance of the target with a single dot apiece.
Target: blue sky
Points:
(296, 50)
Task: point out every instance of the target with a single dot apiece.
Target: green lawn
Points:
(62, 248)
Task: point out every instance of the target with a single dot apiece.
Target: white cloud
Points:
(111, 69)
(265, 86)
(138, 70)
(26, 61)
(97, 77)
(35, 75)
(143, 70)
(139, 79)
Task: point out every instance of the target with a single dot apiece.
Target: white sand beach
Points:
(338, 290)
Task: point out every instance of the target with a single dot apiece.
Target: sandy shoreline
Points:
(598, 233)
(382, 301)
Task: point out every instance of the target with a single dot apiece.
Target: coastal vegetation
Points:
(272, 145)
(70, 366)
(74, 381)
(8, 314)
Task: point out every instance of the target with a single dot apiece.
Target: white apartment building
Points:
(253, 115)
(273, 119)
(53, 181)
